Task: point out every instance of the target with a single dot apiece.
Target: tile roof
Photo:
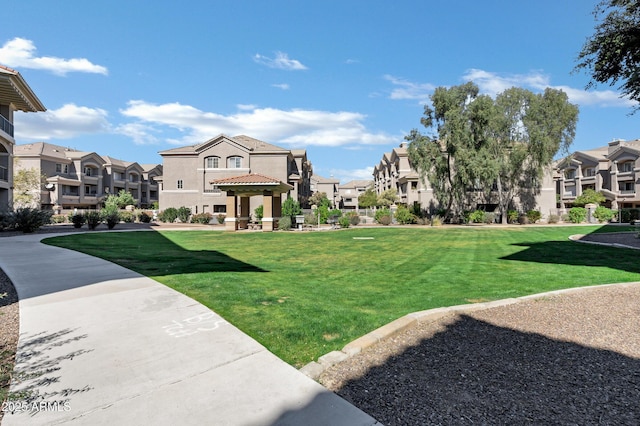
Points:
(250, 179)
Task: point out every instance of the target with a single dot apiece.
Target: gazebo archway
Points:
(246, 186)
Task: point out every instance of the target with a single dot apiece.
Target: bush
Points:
(183, 214)
(144, 217)
(489, 217)
(512, 216)
(404, 215)
(436, 220)
(310, 219)
(380, 213)
(385, 219)
(533, 216)
(29, 220)
(354, 218)
(93, 218)
(284, 224)
(603, 214)
(202, 218)
(477, 216)
(577, 215)
(127, 217)
(7, 220)
(629, 215)
(259, 212)
(58, 218)
(78, 220)
(111, 217)
(553, 218)
(168, 215)
(221, 218)
(344, 221)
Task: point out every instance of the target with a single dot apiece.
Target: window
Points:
(234, 162)
(570, 174)
(626, 167)
(212, 162)
(589, 171)
(414, 185)
(118, 176)
(58, 168)
(62, 168)
(179, 183)
(87, 171)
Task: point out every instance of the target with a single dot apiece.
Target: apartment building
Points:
(613, 170)
(350, 191)
(193, 175)
(329, 186)
(15, 95)
(82, 180)
(395, 171)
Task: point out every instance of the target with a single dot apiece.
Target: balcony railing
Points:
(6, 126)
(627, 191)
(4, 174)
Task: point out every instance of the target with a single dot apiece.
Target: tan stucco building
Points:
(613, 170)
(82, 180)
(15, 95)
(190, 173)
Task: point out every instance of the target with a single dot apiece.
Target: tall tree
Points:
(499, 146)
(612, 54)
(367, 199)
(27, 184)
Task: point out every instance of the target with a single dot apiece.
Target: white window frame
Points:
(234, 162)
(212, 162)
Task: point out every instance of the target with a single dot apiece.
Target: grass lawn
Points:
(303, 294)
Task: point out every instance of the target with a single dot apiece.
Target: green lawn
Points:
(303, 294)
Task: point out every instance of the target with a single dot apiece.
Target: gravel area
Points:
(9, 332)
(566, 359)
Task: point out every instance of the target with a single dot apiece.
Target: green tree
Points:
(319, 199)
(612, 54)
(589, 196)
(120, 201)
(387, 198)
(368, 199)
(290, 208)
(27, 184)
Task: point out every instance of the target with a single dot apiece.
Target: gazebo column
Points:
(267, 213)
(230, 223)
(244, 213)
(277, 208)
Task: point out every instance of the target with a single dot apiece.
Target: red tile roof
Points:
(250, 179)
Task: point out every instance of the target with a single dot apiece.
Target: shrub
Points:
(310, 219)
(284, 224)
(127, 217)
(93, 219)
(380, 213)
(577, 215)
(436, 220)
(489, 217)
(344, 221)
(168, 215)
(7, 220)
(629, 215)
(111, 217)
(259, 212)
(385, 219)
(553, 218)
(183, 214)
(565, 217)
(29, 220)
(533, 216)
(512, 216)
(78, 220)
(354, 218)
(523, 219)
(477, 216)
(58, 218)
(221, 218)
(144, 217)
(202, 218)
(603, 214)
(404, 215)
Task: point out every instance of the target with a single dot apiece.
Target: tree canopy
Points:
(589, 196)
(368, 199)
(612, 54)
(486, 149)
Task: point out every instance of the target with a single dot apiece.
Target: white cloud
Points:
(280, 61)
(283, 86)
(64, 123)
(296, 127)
(493, 83)
(140, 133)
(19, 52)
(405, 89)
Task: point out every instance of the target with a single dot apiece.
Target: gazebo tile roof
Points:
(253, 178)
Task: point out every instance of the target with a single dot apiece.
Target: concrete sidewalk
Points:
(100, 344)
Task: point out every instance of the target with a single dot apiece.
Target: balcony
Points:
(6, 126)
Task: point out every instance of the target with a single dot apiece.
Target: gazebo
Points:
(247, 186)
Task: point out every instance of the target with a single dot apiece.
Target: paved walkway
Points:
(100, 344)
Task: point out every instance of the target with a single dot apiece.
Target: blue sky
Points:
(345, 80)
